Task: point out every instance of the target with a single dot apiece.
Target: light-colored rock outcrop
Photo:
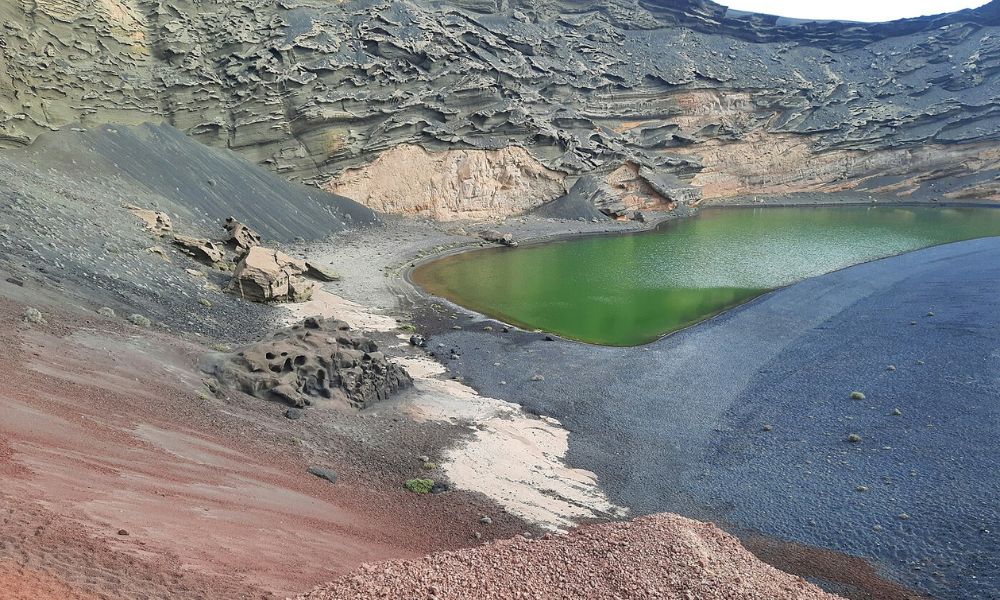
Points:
(454, 184)
(240, 237)
(268, 275)
(156, 221)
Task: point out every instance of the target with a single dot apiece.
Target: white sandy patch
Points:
(329, 305)
(514, 459)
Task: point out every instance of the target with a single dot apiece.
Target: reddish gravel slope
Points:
(660, 556)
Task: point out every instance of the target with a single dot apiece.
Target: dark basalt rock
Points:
(318, 360)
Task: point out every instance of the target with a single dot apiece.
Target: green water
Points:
(631, 289)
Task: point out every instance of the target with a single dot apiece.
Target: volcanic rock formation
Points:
(513, 101)
(318, 359)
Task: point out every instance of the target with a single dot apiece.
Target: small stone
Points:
(857, 396)
(477, 535)
(322, 473)
(139, 320)
(122, 532)
(890, 368)
(920, 362)
(33, 315)
(861, 488)
(15, 281)
(913, 322)
(205, 302)
(854, 438)
(876, 528)
(767, 428)
(538, 377)
(294, 414)
(896, 412)
(105, 311)
(418, 340)
(488, 328)
(485, 520)
(904, 517)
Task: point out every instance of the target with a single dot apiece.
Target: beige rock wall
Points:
(763, 163)
(453, 184)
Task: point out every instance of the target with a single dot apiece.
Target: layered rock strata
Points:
(513, 101)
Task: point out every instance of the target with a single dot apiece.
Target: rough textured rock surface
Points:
(316, 360)
(239, 236)
(724, 101)
(660, 556)
(269, 275)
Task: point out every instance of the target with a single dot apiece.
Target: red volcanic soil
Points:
(660, 556)
(122, 480)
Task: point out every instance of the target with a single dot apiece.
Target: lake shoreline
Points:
(456, 275)
(609, 399)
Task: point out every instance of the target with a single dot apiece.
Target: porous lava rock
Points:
(312, 361)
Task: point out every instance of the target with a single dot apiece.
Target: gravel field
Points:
(661, 557)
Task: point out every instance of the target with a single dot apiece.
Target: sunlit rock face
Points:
(728, 103)
(452, 183)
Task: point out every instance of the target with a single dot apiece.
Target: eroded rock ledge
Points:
(718, 99)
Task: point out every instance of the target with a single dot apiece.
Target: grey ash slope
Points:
(201, 185)
(679, 425)
(310, 87)
(63, 225)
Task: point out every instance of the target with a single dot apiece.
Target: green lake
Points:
(631, 289)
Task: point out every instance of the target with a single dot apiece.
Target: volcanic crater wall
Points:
(714, 101)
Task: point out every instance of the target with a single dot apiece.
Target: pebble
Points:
(323, 473)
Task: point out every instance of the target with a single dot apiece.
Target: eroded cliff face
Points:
(451, 184)
(715, 102)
